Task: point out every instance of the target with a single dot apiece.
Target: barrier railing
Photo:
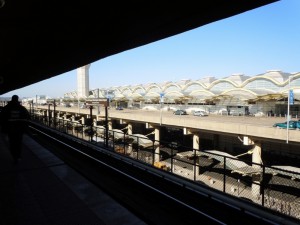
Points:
(274, 187)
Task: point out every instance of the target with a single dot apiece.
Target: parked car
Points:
(180, 112)
(293, 124)
(200, 113)
(119, 108)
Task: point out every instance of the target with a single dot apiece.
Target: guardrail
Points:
(277, 188)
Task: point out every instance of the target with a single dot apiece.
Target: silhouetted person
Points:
(14, 120)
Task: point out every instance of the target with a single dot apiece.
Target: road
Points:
(258, 128)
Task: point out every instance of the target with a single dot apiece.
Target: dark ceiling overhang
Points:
(42, 39)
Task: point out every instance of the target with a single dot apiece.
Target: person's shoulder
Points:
(23, 108)
(25, 111)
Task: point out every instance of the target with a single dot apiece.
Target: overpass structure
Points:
(225, 132)
(256, 128)
(274, 186)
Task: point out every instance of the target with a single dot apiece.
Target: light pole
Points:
(98, 107)
(36, 101)
(290, 102)
(161, 104)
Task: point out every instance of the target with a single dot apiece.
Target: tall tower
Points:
(83, 81)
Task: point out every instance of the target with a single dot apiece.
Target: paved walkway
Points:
(42, 190)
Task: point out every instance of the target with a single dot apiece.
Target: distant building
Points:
(83, 81)
(237, 93)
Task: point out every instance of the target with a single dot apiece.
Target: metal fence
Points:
(277, 188)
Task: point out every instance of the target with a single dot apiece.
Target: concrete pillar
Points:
(256, 155)
(129, 129)
(156, 138)
(129, 132)
(196, 146)
(196, 141)
(256, 179)
(109, 125)
(157, 150)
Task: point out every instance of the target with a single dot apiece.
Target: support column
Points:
(129, 132)
(109, 125)
(156, 138)
(196, 141)
(196, 146)
(256, 179)
(256, 164)
(129, 129)
(256, 155)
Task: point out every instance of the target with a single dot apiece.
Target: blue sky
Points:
(250, 43)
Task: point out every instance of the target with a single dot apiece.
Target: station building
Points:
(264, 94)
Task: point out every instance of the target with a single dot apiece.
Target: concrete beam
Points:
(122, 121)
(150, 125)
(248, 140)
(188, 131)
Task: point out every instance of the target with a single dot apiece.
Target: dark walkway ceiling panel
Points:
(41, 39)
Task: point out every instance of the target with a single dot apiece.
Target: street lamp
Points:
(290, 102)
(161, 104)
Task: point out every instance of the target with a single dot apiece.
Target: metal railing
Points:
(277, 188)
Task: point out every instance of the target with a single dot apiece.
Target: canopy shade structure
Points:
(99, 130)
(143, 141)
(290, 171)
(117, 134)
(43, 39)
(220, 156)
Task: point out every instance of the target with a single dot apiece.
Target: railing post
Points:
(172, 158)
(224, 177)
(263, 186)
(195, 165)
(138, 147)
(106, 124)
(91, 125)
(54, 105)
(153, 153)
(48, 114)
(113, 138)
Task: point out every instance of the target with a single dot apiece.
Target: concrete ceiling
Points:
(41, 39)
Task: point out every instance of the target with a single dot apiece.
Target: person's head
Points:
(15, 98)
